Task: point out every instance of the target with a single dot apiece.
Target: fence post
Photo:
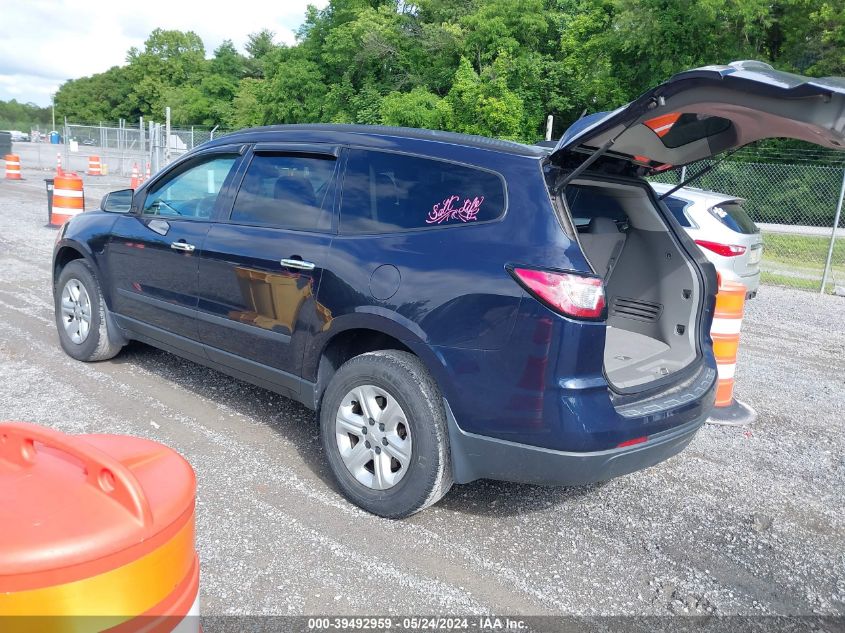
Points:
(833, 234)
(167, 135)
(67, 146)
(141, 131)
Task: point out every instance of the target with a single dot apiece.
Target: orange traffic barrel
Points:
(68, 198)
(13, 167)
(94, 166)
(98, 533)
(727, 323)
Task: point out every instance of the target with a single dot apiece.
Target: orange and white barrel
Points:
(114, 545)
(94, 168)
(13, 167)
(727, 322)
(68, 198)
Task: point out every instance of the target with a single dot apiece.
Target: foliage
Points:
(490, 67)
(22, 116)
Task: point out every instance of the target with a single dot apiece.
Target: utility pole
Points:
(53, 107)
(549, 123)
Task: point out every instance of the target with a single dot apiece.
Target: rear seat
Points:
(602, 242)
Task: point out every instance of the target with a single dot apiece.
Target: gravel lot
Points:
(745, 521)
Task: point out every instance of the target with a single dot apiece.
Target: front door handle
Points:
(183, 246)
(297, 263)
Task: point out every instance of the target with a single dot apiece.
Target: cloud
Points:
(46, 42)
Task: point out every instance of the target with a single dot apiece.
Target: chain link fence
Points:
(795, 198)
(121, 147)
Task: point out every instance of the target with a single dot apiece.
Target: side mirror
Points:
(117, 201)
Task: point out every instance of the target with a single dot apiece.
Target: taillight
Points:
(725, 250)
(568, 293)
(633, 442)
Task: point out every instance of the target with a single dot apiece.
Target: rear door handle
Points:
(297, 263)
(183, 246)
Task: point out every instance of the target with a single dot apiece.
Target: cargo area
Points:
(652, 289)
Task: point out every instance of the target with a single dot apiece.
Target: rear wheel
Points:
(80, 315)
(383, 428)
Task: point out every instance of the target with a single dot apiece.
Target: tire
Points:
(397, 378)
(96, 342)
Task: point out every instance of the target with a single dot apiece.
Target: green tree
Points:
(417, 108)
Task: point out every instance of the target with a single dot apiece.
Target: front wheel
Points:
(383, 429)
(81, 315)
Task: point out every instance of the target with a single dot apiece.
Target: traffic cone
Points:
(727, 320)
(136, 180)
(147, 176)
(68, 198)
(94, 167)
(59, 171)
(13, 167)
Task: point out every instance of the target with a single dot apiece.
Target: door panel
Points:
(152, 282)
(250, 303)
(259, 272)
(153, 254)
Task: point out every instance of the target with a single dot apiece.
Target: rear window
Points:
(677, 206)
(385, 192)
(733, 216)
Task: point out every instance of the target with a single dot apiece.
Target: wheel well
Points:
(349, 344)
(65, 256)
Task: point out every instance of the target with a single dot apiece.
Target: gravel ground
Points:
(745, 521)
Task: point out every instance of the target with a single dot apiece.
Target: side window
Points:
(286, 191)
(677, 206)
(385, 192)
(193, 192)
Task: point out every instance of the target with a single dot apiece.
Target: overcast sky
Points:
(43, 43)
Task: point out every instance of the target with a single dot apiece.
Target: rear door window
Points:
(385, 192)
(733, 216)
(289, 191)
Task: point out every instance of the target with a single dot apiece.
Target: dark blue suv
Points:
(453, 307)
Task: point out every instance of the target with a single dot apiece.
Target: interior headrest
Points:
(602, 225)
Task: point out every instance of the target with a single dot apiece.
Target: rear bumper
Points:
(750, 281)
(480, 457)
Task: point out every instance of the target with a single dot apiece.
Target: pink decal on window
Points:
(452, 209)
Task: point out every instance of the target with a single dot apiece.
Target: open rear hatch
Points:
(699, 113)
(654, 283)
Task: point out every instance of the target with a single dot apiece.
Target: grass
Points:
(797, 261)
(773, 279)
(805, 251)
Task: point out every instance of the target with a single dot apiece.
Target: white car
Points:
(18, 136)
(722, 229)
